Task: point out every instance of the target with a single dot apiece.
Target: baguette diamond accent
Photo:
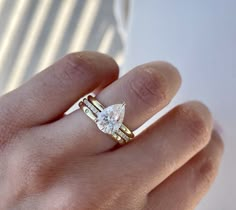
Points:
(90, 106)
(122, 135)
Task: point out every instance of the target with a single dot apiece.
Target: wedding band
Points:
(109, 120)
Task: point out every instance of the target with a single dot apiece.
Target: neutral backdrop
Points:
(199, 37)
(35, 33)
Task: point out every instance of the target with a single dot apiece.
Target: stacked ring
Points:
(109, 120)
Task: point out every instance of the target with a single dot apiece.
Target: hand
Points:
(52, 161)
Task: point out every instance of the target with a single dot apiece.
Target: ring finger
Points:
(145, 90)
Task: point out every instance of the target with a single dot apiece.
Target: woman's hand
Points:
(49, 160)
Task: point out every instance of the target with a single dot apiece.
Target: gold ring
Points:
(109, 120)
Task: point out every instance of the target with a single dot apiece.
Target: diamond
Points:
(110, 119)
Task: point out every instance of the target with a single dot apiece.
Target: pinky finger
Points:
(184, 189)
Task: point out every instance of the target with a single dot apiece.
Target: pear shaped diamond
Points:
(110, 119)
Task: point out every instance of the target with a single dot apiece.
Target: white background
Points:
(199, 37)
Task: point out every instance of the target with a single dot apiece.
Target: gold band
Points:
(91, 107)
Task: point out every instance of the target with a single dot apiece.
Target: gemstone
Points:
(111, 118)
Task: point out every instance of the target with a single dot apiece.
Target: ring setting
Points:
(109, 119)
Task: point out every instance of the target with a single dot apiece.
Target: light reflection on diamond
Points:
(110, 119)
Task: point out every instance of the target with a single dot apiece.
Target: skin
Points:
(53, 161)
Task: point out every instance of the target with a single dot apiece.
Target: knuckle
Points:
(79, 59)
(66, 199)
(148, 87)
(196, 124)
(76, 65)
(71, 197)
(207, 172)
(29, 171)
(9, 123)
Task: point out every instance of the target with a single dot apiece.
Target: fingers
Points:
(185, 188)
(49, 94)
(145, 90)
(165, 146)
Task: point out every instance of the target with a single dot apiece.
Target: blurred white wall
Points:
(199, 37)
